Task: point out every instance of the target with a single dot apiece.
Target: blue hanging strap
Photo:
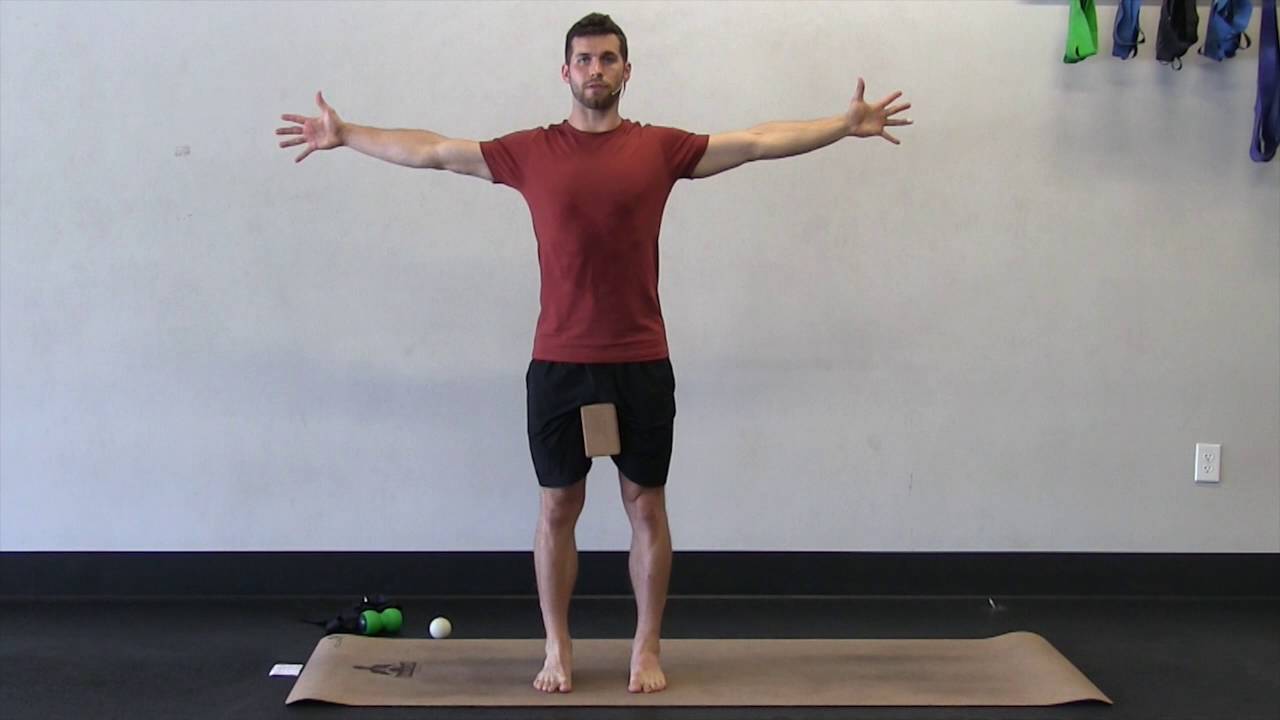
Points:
(1226, 29)
(1128, 34)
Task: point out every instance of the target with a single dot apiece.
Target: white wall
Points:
(1006, 334)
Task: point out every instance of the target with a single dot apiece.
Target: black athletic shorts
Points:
(643, 392)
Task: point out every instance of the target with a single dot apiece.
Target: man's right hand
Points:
(319, 133)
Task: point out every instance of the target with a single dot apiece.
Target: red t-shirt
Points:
(597, 202)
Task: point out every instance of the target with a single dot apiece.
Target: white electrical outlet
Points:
(1208, 460)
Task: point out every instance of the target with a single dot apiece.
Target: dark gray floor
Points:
(1173, 658)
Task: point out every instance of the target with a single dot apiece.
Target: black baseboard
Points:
(195, 574)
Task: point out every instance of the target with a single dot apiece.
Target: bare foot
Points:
(557, 671)
(646, 673)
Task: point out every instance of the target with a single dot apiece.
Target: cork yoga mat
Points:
(1014, 669)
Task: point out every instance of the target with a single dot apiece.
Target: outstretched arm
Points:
(411, 148)
(726, 151)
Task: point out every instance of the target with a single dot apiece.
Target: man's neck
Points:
(594, 121)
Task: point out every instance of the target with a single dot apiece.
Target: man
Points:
(596, 186)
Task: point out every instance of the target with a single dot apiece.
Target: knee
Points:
(647, 507)
(562, 506)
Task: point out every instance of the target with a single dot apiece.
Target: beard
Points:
(595, 99)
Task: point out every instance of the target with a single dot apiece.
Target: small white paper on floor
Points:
(285, 669)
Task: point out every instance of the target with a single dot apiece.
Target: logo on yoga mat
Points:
(400, 669)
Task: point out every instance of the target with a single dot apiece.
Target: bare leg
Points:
(555, 559)
(650, 565)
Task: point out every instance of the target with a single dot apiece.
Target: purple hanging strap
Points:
(1266, 124)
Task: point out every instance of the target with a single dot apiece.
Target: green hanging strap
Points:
(1082, 31)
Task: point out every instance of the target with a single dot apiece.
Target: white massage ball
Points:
(440, 628)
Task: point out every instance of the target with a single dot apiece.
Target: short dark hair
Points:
(590, 26)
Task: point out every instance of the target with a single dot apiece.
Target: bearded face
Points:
(596, 72)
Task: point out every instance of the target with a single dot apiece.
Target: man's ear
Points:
(564, 73)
